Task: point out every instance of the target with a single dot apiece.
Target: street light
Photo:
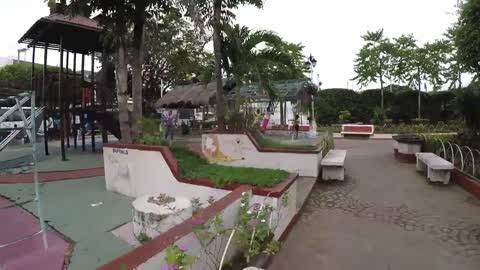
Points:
(310, 65)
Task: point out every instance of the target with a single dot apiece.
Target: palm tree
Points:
(213, 14)
(252, 55)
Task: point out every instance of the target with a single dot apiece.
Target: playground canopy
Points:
(79, 34)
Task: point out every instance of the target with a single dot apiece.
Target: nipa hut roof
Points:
(188, 96)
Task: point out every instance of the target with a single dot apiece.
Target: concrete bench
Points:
(333, 165)
(351, 129)
(437, 168)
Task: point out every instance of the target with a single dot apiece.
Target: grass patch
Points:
(193, 166)
(275, 144)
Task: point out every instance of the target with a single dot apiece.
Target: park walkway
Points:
(384, 216)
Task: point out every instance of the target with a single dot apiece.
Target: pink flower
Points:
(183, 248)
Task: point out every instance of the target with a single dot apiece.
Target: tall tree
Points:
(467, 36)
(174, 55)
(124, 28)
(373, 61)
(258, 56)
(213, 14)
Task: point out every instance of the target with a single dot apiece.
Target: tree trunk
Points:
(137, 63)
(419, 95)
(382, 102)
(217, 47)
(121, 75)
(282, 121)
(459, 80)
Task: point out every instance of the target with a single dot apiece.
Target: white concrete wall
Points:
(136, 173)
(239, 151)
(279, 219)
(406, 148)
(191, 242)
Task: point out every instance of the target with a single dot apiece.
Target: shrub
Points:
(344, 116)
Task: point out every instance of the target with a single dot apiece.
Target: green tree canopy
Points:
(467, 35)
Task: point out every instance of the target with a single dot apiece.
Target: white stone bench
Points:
(437, 168)
(333, 165)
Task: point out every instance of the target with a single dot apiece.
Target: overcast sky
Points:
(330, 30)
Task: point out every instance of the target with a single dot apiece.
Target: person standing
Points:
(296, 124)
(170, 122)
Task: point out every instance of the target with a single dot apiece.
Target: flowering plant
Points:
(177, 258)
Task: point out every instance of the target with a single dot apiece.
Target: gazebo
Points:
(67, 92)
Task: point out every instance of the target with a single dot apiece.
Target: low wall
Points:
(151, 255)
(240, 150)
(137, 170)
(467, 182)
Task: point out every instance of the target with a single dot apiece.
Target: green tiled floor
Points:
(67, 206)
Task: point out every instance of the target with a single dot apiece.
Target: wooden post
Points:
(92, 105)
(67, 108)
(82, 111)
(74, 100)
(60, 97)
(44, 100)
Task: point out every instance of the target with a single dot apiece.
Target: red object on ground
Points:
(359, 129)
(27, 253)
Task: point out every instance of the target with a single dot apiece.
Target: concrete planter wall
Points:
(406, 146)
(240, 150)
(137, 170)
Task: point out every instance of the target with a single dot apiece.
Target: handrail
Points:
(15, 133)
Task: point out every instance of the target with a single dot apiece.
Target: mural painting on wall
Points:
(212, 149)
(225, 148)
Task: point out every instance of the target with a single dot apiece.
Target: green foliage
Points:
(150, 132)
(372, 62)
(344, 116)
(173, 52)
(178, 258)
(19, 76)
(469, 106)
(379, 116)
(193, 166)
(143, 237)
(260, 56)
(254, 235)
(467, 36)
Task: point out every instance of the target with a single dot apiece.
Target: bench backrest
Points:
(358, 129)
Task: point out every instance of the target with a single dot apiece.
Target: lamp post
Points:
(310, 65)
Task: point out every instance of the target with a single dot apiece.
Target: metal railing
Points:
(464, 158)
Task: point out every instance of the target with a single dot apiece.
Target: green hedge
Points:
(399, 106)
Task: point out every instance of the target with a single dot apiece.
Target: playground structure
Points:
(78, 99)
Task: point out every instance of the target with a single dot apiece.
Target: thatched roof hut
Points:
(201, 94)
(189, 96)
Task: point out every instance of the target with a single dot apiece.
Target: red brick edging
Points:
(149, 249)
(407, 158)
(275, 191)
(52, 176)
(467, 182)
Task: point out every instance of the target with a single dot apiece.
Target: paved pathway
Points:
(384, 216)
